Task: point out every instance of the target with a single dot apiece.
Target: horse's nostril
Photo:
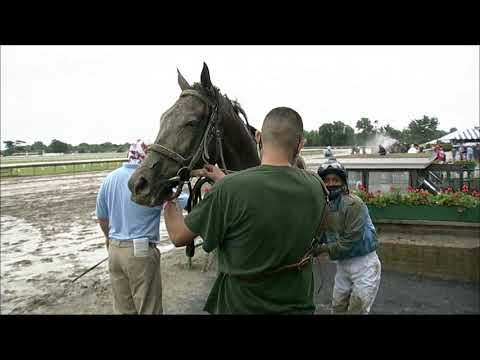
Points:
(141, 186)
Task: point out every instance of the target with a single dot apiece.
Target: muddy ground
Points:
(49, 236)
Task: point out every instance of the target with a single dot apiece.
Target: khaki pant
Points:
(136, 281)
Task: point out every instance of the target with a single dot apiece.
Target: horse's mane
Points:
(227, 106)
(233, 109)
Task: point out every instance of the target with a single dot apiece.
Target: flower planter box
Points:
(424, 212)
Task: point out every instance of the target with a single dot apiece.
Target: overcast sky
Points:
(96, 94)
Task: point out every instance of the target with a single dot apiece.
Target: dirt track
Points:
(49, 236)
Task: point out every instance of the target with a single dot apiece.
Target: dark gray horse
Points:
(202, 126)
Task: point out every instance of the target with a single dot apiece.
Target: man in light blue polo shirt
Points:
(131, 234)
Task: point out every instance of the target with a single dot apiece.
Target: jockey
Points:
(351, 240)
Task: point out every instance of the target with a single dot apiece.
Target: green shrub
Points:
(463, 199)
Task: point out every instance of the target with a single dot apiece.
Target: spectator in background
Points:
(461, 151)
(328, 152)
(413, 149)
(440, 153)
(359, 185)
(469, 153)
(476, 152)
(454, 153)
(381, 150)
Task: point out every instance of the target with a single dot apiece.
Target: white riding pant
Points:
(356, 284)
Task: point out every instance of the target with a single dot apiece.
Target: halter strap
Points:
(197, 94)
(168, 153)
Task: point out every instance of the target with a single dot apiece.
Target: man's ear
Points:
(302, 144)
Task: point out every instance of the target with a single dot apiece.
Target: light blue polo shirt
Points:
(127, 220)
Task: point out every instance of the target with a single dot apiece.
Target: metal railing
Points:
(59, 167)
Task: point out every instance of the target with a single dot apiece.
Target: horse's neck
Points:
(239, 149)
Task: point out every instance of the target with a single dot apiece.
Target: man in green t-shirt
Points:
(260, 219)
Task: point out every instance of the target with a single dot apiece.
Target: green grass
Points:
(312, 152)
(67, 157)
(60, 169)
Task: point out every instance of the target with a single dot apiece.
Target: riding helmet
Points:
(332, 166)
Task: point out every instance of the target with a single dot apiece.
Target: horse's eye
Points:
(192, 123)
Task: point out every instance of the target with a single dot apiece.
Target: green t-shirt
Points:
(260, 219)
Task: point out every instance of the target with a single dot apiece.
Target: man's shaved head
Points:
(283, 128)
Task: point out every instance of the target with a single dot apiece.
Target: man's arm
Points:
(353, 232)
(104, 226)
(203, 223)
(178, 232)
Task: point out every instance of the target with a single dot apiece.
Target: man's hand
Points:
(210, 171)
(104, 226)
(177, 231)
(320, 249)
(323, 257)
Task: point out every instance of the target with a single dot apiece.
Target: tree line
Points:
(337, 133)
(418, 131)
(57, 146)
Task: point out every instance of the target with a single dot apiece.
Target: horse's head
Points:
(179, 140)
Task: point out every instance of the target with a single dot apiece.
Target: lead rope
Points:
(194, 196)
(195, 193)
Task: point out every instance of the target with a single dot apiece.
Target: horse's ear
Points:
(184, 85)
(205, 77)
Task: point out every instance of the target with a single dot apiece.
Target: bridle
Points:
(212, 130)
(184, 174)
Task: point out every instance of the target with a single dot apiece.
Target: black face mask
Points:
(334, 191)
